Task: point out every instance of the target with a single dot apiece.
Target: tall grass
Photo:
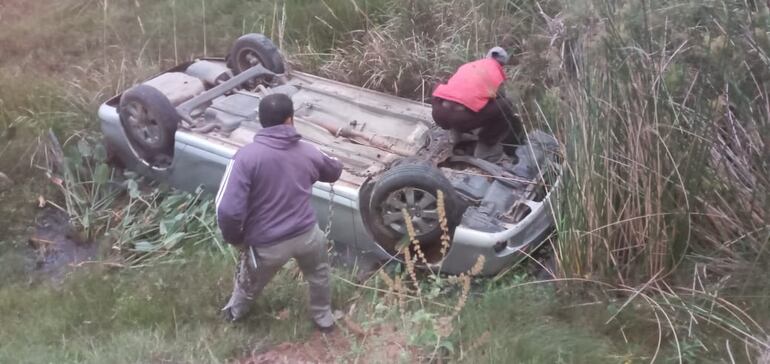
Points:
(663, 110)
(661, 106)
(419, 43)
(655, 121)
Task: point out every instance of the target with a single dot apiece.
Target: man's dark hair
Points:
(275, 109)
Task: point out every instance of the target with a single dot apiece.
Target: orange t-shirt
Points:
(474, 84)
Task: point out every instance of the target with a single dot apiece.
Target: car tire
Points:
(252, 49)
(412, 186)
(149, 121)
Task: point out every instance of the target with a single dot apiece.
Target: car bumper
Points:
(503, 249)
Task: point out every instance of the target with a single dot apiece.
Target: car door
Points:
(198, 162)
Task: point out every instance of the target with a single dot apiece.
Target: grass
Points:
(157, 314)
(649, 183)
(527, 325)
(171, 314)
(662, 107)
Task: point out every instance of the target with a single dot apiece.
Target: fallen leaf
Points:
(282, 315)
(57, 181)
(444, 326)
(41, 201)
(354, 326)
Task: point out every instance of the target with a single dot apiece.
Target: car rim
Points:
(248, 58)
(142, 125)
(421, 206)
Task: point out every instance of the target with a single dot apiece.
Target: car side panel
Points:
(194, 167)
(202, 163)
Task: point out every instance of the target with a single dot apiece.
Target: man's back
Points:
(266, 191)
(474, 84)
(263, 207)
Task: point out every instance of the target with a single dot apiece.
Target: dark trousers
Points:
(496, 120)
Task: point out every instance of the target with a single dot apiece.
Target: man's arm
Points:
(232, 201)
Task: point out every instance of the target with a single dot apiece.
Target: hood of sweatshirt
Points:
(278, 137)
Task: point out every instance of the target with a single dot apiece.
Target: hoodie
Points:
(474, 84)
(265, 193)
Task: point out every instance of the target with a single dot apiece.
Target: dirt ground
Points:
(349, 343)
(319, 349)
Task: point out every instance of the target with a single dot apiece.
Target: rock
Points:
(5, 182)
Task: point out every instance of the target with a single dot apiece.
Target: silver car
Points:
(184, 125)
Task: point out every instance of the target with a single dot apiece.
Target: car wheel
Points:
(414, 187)
(149, 120)
(255, 49)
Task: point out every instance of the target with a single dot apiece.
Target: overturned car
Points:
(183, 126)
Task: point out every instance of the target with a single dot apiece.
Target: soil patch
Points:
(319, 349)
(57, 244)
(15, 10)
(382, 344)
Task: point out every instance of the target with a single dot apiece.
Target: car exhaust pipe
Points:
(386, 143)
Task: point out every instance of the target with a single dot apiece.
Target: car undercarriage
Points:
(397, 163)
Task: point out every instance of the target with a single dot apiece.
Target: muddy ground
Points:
(383, 344)
(57, 246)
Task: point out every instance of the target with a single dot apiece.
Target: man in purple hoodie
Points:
(263, 207)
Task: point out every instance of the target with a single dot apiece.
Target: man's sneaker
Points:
(455, 137)
(490, 153)
(325, 329)
(232, 314)
(227, 315)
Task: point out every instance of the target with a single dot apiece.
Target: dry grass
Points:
(764, 355)
(425, 305)
(652, 179)
(421, 43)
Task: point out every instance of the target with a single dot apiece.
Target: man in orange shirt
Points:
(472, 99)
